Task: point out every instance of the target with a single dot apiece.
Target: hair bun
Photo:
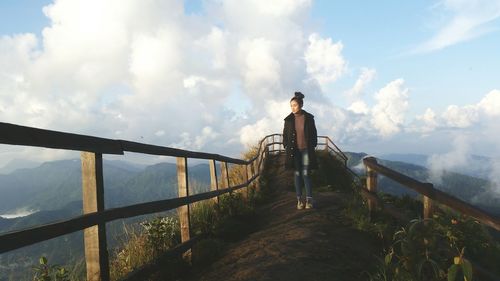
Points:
(299, 95)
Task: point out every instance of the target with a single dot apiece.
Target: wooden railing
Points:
(324, 142)
(93, 221)
(427, 190)
(95, 216)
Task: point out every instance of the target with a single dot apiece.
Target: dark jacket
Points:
(290, 140)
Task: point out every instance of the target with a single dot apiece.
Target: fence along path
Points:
(95, 216)
(427, 190)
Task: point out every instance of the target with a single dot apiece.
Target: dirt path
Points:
(290, 244)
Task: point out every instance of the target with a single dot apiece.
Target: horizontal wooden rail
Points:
(94, 219)
(427, 189)
(21, 135)
(335, 148)
(168, 151)
(20, 238)
(29, 136)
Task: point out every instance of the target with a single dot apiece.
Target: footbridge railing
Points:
(430, 195)
(95, 215)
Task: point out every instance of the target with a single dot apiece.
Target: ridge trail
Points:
(290, 244)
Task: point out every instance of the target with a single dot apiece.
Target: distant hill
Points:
(54, 188)
(477, 166)
(17, 164)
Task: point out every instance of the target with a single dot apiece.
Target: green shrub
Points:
(233, 204)
(423, 250)
(204, 217)
(161, 233)
(331, 173)
(142, 245)
(46, 272)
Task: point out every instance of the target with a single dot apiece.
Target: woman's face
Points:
(294, 105)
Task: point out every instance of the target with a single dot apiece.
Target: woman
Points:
(299, 139)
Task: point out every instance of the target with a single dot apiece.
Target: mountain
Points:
(54, 188)
(17, 164)
(477, 166)
(54, 185)
(51, 185)
(416, 159)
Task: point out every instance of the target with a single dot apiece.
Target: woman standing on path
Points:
(299, 139)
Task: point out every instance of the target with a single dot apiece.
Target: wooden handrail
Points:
(335, 148)
(29, 136)
(20, 238)
(428, 190)
(95, 216)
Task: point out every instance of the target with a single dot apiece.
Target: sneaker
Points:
(309, 203)
(300, 205)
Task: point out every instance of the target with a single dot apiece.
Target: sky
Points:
(217, 75)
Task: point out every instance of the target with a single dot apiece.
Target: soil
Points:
(290, 244)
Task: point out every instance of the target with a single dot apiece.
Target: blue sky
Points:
(380, 76)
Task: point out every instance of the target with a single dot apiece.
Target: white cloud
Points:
(207, 134)
(490, 104)
(148, 72)
(468, 20)
(216, 44)
(463, 117)
(145, 71)
(261, 70)
(325, 62)
(359, 107)
(460, 117)
(457, 157)
(366, 76)
(389, 112)
(429, 119)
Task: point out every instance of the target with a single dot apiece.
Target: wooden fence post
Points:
(213, 179)
(183, 211)
(224, 175)
(281, 141)
(247, 176)
(371, 183)
(96, 250)
(427, 202)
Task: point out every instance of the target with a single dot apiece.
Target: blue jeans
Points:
(301, 172)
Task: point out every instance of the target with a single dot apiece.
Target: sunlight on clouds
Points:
(366, 76)
(429, 119)
(261, 73)
(324, 59)
(281, 7)
(460, 117)
(392, 103)
(147, 72)
(251, 134)
(490, 104)
(359, 107)
(216, 44)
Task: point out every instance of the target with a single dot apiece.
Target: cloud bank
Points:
(217, 80)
